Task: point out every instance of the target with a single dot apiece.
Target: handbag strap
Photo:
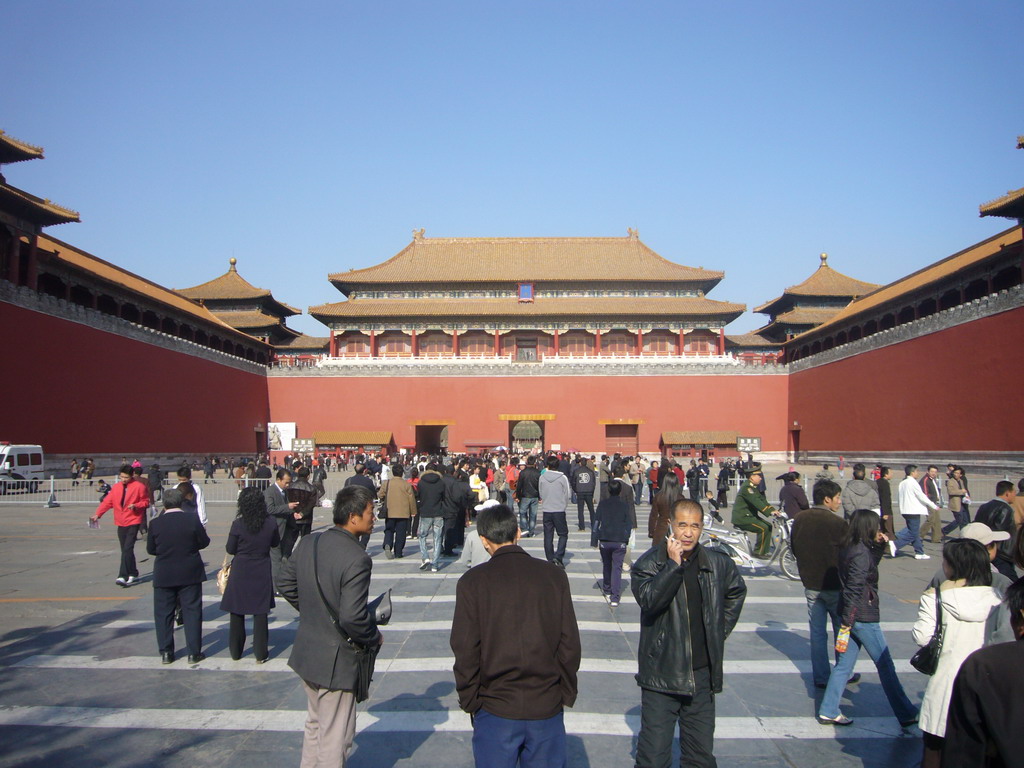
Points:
(226, 562)
(330, 609)
(938, 615)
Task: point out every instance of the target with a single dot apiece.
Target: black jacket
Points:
(456, 497)
(612, 521)
(884, 496)
(431, 494)
(175, 538)
(528, 485)
(657, 584)
(998, 515)
(584, 479)
(858, 573)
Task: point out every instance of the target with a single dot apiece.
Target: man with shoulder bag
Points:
(327, 581)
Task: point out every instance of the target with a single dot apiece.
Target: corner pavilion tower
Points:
(527, 299)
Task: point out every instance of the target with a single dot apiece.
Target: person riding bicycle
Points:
(752, 512)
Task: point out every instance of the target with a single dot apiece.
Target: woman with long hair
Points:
(250, 590)
(859, 552)
(671, 491)
(971, 614)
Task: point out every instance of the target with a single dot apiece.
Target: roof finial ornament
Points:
(232, 262)
(634, 234)
(417, 234)
(824, 259)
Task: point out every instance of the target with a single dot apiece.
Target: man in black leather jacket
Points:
(690, 599)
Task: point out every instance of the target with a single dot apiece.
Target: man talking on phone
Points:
(690, 599)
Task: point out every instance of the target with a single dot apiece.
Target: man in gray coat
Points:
(554, 500)
(283, 512)
(326, 661)
(860, 494)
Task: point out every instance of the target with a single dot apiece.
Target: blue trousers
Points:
(911, 534)
(502, 743)
(869, 635)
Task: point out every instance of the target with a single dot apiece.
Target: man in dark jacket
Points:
(983, 726)
(517, 656)
(431, 505)
(612, 527)
(457, 495)
(335, 562)
(885, 501)
(584, 483)
(997, 514)
(175, 538)
(690, 599)
(817, 533)
(283, 512)
(528, 496)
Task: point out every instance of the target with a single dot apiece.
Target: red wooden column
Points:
(455, 343)
(497, 343)
(14, 260)
(639, 342)
(32, 269)
(556, 343)
(682, 343)
(373, 343)
(597, 343)
(334, 345)
(721, 341)
(415, 344)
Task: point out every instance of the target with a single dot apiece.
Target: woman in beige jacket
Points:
(400, 500)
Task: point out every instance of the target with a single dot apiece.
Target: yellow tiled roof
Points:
(232, 285)
(252, 319)
(342, 437)
(825, 281)
(892, 292)
(104, 270)
(302, 341)
(753, 339)
(14, 150)
(525, 259)
(714, 437)
(1010, 205)
(511, 307)
(35, 209)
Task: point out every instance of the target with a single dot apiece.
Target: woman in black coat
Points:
(250, 590)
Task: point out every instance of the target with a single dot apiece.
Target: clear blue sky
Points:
(307, 138)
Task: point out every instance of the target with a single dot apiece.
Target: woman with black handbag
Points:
(953, 622)
(860, 551)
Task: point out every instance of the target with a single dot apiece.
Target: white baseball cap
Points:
(982, 533)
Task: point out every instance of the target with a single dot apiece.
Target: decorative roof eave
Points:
(366, 309)
(869, 304)
(230, 285)
(752, 339)
(91, 266)
(14, 150)
(1009, 206)
(41, 212)
(824, 283)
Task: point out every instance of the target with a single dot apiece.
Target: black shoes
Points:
(264, 660)
(559, 563)
(167, 657)
(195, 658)
(179, 619)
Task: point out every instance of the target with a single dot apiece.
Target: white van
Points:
(18, 464)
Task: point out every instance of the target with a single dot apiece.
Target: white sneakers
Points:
(120, 581)
(922, 557)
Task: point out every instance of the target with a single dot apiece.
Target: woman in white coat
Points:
(971, 614)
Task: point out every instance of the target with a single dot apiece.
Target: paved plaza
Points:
(81, 682)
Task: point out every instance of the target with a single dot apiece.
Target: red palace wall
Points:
(958, 389)
(754, 405)
(75, 389)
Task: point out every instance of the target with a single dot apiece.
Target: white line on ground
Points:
(428, 664)
(626, 598)
(445, 626)
(420, 721)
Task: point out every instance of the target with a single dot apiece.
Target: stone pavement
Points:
(81, 683)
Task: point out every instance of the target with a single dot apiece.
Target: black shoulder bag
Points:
(366, 656)
(926, 660)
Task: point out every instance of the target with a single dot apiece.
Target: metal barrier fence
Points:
(223, 490)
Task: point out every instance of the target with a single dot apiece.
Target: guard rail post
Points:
(51, 502)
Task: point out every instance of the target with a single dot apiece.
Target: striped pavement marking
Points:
(248, 665)
(626, 598)
(585, 626)
(420, 721)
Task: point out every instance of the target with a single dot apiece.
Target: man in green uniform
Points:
(751, 511)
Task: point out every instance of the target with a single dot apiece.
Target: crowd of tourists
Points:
(970, 622)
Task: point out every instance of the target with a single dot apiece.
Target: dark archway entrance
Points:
(431, 438)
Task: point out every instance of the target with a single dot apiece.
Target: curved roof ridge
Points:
(31, 151)
(229, 281)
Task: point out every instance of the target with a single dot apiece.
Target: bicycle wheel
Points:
(787, 561)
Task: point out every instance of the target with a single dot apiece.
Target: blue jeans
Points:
(960, 519)
(638, 490)
(869, 635)
(911, 534)
(502, 743)
(820, 606)
(434, 528)
(528, 515)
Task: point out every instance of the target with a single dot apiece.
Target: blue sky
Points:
(307, 138)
